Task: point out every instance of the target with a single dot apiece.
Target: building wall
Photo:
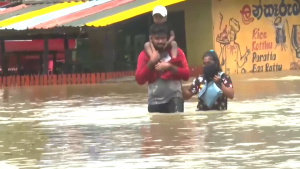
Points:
(257, 35)
(198, 28)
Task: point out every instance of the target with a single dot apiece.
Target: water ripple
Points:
(115, 131)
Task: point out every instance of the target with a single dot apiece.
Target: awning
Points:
(120, 13)
(19, 12)
(67, 19)
(109, 12)
(132, 12)
(44, 16)
(35, 14)
(12, 9)
(96, 13)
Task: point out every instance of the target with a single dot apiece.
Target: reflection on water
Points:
(107, 126)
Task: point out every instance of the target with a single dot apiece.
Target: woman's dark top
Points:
(221, 103)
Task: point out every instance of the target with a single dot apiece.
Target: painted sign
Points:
(257, 35)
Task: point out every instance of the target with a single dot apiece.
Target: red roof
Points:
(3, 3)
(81, 14)
(12, 9)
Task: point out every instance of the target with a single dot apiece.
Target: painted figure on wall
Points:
(295, 38)
(230, 49)
(279, 26)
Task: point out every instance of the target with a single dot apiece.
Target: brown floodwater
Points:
(108, 126)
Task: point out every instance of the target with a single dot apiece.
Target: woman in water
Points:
(211, 68)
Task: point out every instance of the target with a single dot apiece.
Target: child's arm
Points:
(148, 49)
(172, 36)
(174, 47)
(173, 44)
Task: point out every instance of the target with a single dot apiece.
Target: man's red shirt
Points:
(144, 74)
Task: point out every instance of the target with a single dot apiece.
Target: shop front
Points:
(253, 36)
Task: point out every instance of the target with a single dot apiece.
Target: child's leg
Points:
(174, 47)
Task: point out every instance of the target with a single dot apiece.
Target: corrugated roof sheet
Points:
(81, 14)
(22, 11)
(16, 21)
(52, 16)
(132, 12)
(47, 14)
(74, 14)
(12, 9)
(107, 13)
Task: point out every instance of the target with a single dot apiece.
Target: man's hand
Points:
(155, 55)
(162, 66)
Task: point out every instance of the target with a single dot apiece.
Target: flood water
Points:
(108, 126)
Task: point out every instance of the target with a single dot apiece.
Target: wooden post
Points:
(54, 63)
(67, 57)
(45, 58)
(41, 63)
(18, 64)
(4, 60)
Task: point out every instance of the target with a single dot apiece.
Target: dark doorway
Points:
(178, 23)
(133, 33)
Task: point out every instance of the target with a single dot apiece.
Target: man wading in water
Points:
(164, 79)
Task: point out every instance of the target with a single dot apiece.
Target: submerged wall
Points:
(257, 35)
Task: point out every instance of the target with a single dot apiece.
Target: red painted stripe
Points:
(12, 9)
(3, 3)
(81, 14)
(37, 45)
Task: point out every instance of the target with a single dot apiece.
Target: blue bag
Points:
(210, 92)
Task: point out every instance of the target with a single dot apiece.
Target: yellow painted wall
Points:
(198, 28)
(250, 36)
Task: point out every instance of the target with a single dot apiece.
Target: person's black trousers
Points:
(175, 105)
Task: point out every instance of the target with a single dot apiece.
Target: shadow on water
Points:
(107, 126)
